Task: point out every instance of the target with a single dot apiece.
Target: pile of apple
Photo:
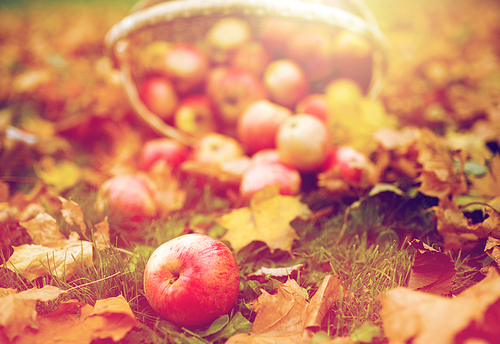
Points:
(253, 101)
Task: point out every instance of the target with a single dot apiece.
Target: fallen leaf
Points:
(286, 316)
(62, 259)
(492, 249)
(489, 184)
(458, 231)
(71, 321)
(101, 233)
(43, 229)
(73, 214)
(432, 271)
(19, 310)
(421, 318)
(62, 175)
(438, 177)
(267, 219)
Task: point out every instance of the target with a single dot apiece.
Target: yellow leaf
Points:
(62, 259)
(62, 175)
(267, 219)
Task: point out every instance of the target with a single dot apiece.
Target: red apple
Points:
(167, 150)
(266, 156)
(274, 34)
(195, 115)
(303, 141)
(192, 280)
(353, 56)
(252, 57)
(233, 90)
(314, 104)
(127, 196)
(225, 36)
(348, 163)
(215, 148)
(186, 65)
(256, 127)
(159, 96)
(286, 82)
(312, 47)
(258, 176)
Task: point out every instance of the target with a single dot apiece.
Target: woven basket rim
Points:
(294, 9)
(115, 38)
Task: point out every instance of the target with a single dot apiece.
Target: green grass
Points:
(362, 244)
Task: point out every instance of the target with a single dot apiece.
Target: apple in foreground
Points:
(303, 141)
(191, 280)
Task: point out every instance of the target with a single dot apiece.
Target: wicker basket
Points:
(188, 20)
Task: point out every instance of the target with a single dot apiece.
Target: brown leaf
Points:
(438, 176)
(267, 219)
(43, 229)
(432, 271)
(73, 214)
(286, 317)
(492, 249)
(489, 184)
(421, 318)
(458, 231)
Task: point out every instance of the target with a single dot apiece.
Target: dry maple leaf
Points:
(422, 318)
(438, 175)
(19, 310)
(71, 322)
(286, 317)
(432, 271)
(62, 259)
(267, 219)
(458, 231)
